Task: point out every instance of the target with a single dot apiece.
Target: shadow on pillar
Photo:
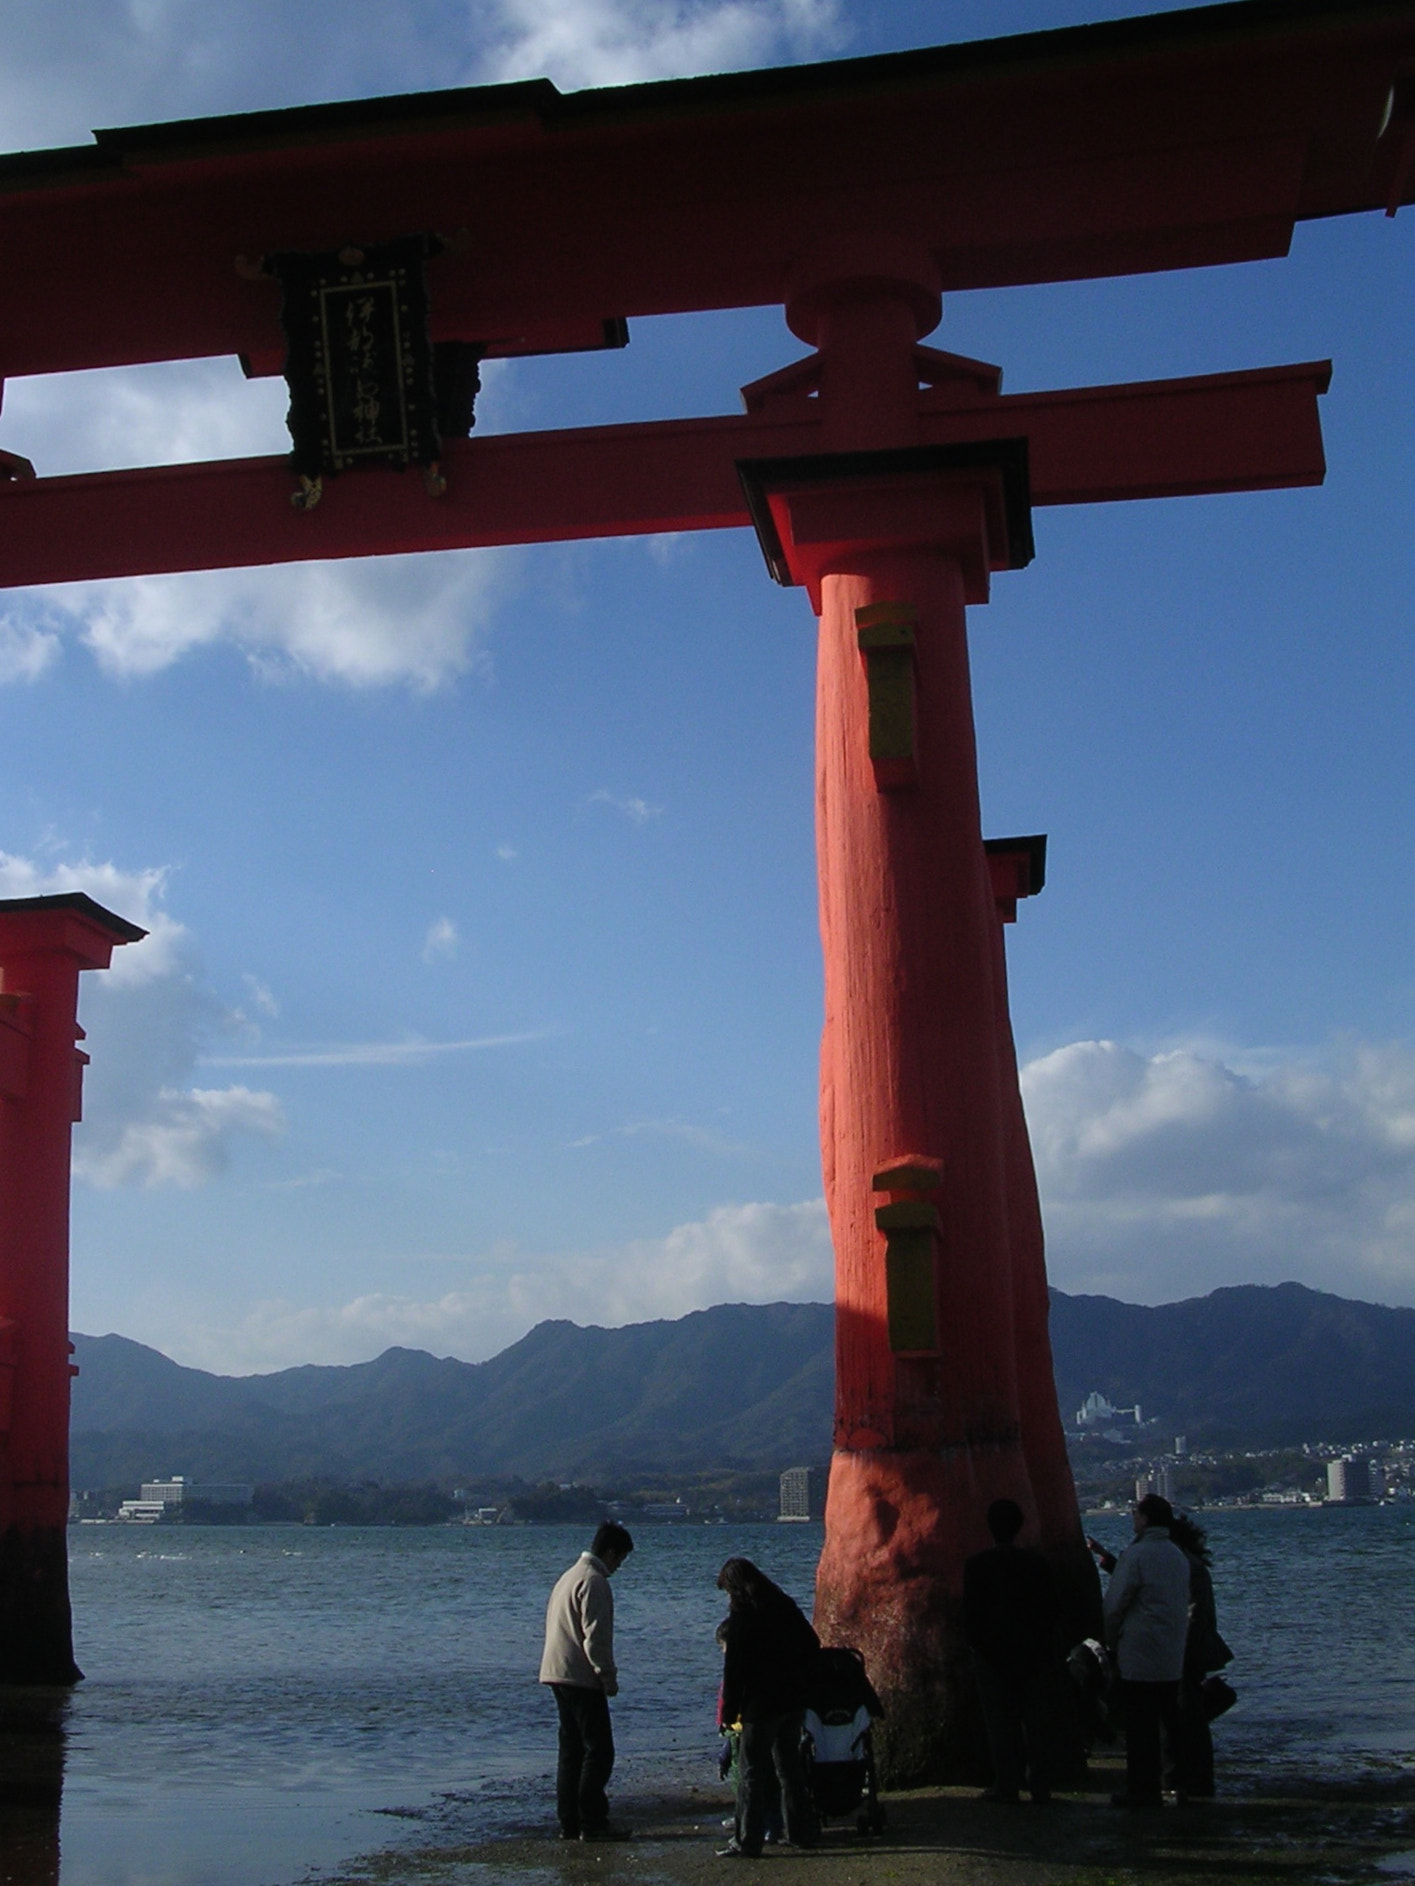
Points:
(36, 1625)
(32, 1744)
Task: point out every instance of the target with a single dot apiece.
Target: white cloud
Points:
(580, 43)
(1168, 1175)
(66, 68)
(184, 1140)
(756, 1253)
(441, 942)
(173, 412)
(27, 648)
(417, 621)
(637, 811)
(136, 895)
(145, 1018)
(259, 996)
(409, 1053)
(507, 853)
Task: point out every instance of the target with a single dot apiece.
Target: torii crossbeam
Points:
(889, 479)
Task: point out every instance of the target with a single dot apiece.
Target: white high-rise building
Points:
(795, 1493)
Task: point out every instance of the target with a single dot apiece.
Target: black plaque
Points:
(359, 363)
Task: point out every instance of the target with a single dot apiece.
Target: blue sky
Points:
(484, 981)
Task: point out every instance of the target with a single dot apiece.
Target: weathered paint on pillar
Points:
(45, 942)
(943, 1407)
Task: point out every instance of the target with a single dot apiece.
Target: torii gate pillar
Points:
(44, 943)
(944, 1393)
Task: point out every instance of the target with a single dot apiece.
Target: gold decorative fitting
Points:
(886, 636)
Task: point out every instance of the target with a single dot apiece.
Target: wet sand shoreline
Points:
(1331, 1832)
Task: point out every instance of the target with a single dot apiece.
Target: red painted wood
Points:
(1168, 142)
(44, 945)
(1224, 432)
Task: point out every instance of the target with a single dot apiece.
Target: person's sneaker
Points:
(611, 1830)
(569, 1833)
(734, 1850)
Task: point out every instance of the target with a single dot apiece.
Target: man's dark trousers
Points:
(773, 1743)
(1149, 1708)
(1016, 1711)
(586, 1758)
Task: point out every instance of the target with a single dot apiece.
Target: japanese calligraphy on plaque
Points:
(363, 375)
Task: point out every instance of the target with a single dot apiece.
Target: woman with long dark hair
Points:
(1204, 1651)
(770, 1652)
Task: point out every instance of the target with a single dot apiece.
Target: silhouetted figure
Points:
(1146, 1626)
(1011, 1619)
(770, 1652)
(578, 1664)
(1204, 1652)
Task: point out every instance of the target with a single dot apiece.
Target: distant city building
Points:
(141, 1512)
(180, 1491)
(795, 1493)
(1096, 1412)
(1158, 1480)
(1181, 1445)
(1351, 1480)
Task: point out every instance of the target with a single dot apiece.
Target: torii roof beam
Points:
(1169, 141)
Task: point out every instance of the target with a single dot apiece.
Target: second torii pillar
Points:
(944, 1395)
(45, 942)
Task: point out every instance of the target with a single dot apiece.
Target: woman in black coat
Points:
(770, 1655)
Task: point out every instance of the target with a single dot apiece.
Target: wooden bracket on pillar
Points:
(81, 1061)
(911, 1226)
(1018, 867)
(9, 1361)
(15, 1034)
(887, 639)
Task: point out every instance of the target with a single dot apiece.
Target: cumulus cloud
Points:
(1167, 1175)
(417, 621)
(184, 1140)
(580, 43)
(758, 1253)
(27, 648)
(173, 412)
(145, 1018)
(136, 895)
(62, 68)
(441, 942)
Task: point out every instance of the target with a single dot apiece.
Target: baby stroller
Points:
(838, 1742)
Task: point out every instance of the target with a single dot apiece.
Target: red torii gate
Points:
(888, 478)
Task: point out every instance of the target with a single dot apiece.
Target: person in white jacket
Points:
(578, 1665)
(1146, 1621)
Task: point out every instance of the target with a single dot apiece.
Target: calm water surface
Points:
(264, 1697)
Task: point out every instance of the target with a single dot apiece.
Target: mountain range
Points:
(741, 1386)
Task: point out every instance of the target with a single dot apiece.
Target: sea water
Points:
(261, 1701)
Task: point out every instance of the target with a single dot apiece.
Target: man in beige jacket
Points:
(578, 1664)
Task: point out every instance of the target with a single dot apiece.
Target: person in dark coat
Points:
(1011, 1624)
(1204, 1651)
(769, 1655)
